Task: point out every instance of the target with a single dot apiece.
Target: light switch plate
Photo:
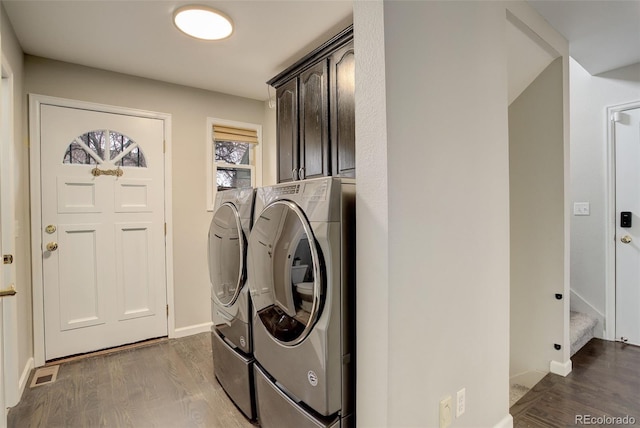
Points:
(581, 208)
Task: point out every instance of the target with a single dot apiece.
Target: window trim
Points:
(212, 166)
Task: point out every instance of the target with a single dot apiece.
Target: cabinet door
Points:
(314, 122)
(343, 131)
(287, 130)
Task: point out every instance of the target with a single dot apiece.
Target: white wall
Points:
(189, 108)
(433, 234)
(536, 162)
(14, 57)
(448, 210)
(372, 217)
(590, 96)
(443, 305)
(269, 149)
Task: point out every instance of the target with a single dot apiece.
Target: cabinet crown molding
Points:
(322, 51)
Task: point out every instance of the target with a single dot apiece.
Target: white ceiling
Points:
(603, 35)
(139, 38)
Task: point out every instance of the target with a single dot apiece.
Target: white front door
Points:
(103, 247)
(627, 147)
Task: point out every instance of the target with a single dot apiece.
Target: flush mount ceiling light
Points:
(203, 22)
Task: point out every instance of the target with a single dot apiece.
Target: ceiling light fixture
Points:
(202, 22)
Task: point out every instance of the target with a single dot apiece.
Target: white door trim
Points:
(610, 221)
(35, 101)
(12, 387)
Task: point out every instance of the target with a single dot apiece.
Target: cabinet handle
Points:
(294, 174)
(301, 175)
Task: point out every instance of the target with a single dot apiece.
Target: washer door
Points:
(285, 265)
(226, 255)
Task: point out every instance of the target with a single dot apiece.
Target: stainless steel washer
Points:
(230, 303)
(301, 270)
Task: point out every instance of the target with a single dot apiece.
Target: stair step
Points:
(581, 330)
(516, 392)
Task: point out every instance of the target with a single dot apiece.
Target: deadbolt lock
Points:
(50, 229)
(52, 246)
(625, 239)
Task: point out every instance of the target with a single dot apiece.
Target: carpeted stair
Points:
(516, 392)
(581, 330)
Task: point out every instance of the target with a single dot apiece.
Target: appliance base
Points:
(235, 374)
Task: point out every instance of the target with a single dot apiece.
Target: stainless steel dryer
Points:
(230, 303)
(301, 267)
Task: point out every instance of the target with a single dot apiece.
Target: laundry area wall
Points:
(189, 109)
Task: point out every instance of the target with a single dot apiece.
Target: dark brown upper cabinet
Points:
(316, 112)
(287, 130)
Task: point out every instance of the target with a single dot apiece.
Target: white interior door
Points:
(103, 247)
(627, 147)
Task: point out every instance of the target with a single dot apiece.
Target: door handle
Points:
(625, 239)
(301, 173)
(52, 246)
(11, 291)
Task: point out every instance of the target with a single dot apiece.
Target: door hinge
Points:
(616, 116)
(164, 146)
(167, 311)
(165, 229)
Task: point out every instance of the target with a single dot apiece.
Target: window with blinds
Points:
(234, 157)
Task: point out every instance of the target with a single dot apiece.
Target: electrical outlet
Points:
(445, 412)
(460, 402)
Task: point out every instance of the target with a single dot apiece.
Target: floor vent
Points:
(45, 375)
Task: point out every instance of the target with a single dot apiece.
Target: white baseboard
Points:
(580, 304)
(193, 329)
(24, 378)
(506, 422)
(561, 369)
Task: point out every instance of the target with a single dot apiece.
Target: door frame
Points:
(35, 101)
(610, 219)
(12, 382)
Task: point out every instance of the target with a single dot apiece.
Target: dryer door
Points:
(285, 268)
(226, 255)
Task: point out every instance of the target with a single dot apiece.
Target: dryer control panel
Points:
(316, 190)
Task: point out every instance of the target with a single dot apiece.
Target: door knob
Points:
(625, 239)
(52, 246)
(50, 229)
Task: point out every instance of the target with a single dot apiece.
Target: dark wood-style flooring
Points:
(171, 384)
(604, 383)
(166, 384)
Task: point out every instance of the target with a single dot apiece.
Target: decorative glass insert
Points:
(91, 148)
(76, 154)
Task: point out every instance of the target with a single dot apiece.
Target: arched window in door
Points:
(98, 147)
